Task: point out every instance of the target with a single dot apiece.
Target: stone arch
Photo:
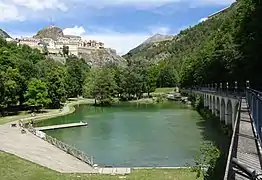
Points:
(218, 106)
(235, 111)
(210, 102)
(205, 100)
(229, 111)
(214, 105)
(223, 110)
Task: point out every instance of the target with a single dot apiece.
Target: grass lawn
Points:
(164, 90)
(53, 112)
(14, 168)
(25, 114)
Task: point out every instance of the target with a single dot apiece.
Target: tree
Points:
(10, 87)
(101, 85)
(65, 50)
(45, 50)
(77, 69)
(205, 163)
(56, 84)
(37, 94)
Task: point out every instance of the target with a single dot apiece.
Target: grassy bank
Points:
(45, 113)
(164, 90)
(212, 126)
(13, 168)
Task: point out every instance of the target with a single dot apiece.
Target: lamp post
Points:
(221, 86)
(247, 84)
(227, 87)
(235, 86)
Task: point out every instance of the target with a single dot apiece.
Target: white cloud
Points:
(121, 42)
(28, 9)
(9, 12)
(77, 31)
(41, 4)
(147, 4)
(203, 19)
(159, 30)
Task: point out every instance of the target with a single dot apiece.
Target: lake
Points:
(131, 135)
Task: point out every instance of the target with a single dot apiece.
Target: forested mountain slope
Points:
(3, 34)
(224, 48)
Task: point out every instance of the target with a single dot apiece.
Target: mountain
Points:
(52, 32)
(158, 38)
(3, 34)
(175, 48)
(154, 40)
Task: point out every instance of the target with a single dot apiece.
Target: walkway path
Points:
(247, 151)
(34, 149)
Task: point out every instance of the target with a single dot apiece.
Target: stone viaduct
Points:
(220, 104)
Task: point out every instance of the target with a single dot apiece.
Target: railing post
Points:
(259, 117)
(236, 88)
(227, 87)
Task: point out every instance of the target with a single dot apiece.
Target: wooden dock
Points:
(61, 126)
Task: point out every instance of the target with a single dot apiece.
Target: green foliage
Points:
(37, 94)
(225, 48)
(77, 69)
(100, 84)
(205, 163)
(55, 77)
(65, 50)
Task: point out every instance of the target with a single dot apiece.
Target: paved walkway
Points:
(247, 149)
(35, 149)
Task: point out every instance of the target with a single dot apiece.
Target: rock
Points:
(52, 32)
(101, 57)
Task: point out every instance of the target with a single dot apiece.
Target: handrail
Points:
(254, 100)
(63, 146)
(233, 143)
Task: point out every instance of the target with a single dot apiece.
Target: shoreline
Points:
(69, 108)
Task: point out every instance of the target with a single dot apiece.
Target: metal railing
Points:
(64, 147)
(232, 148)
(254, 100)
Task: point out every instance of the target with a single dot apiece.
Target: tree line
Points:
(224, 48)
(231, 52)
(29, 78)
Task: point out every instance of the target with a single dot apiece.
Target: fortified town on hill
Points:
(76, 44)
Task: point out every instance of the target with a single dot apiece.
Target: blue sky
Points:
(120, 24)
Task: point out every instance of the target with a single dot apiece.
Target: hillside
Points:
(52, 32)
(102, 57)
(224, 48)
(185, 42)
(151, 42)
(3, 34)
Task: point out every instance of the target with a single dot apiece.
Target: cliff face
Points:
(52, 32)
(101, 57)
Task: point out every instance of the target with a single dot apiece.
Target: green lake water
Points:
(127, 135)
